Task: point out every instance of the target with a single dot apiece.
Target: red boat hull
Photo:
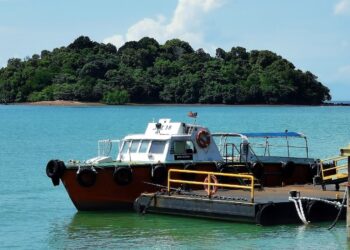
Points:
(106, 194)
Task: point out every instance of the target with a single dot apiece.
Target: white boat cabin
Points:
(167, 141)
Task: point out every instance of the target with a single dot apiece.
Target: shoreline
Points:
(59, 103)
(78, 103)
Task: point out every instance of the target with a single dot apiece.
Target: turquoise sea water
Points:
(36, 215)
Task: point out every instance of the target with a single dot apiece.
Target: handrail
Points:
(344, 166)
(211, 184)
(336, 167)
(335, 158)
(226, 154)
(104, 147)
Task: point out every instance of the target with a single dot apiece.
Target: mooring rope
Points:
(299, 208)
(300, 211)
(340, 210)
(334, 203)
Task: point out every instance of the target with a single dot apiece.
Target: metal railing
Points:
(209, 182)
(104, 147)
(336, 169)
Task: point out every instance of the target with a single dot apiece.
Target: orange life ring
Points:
(203, 138)
(213, 189)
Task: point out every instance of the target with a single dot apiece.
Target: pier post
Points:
(348, 202)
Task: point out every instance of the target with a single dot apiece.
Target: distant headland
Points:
(145, 72)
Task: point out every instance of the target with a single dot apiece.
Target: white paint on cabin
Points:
(167, 141)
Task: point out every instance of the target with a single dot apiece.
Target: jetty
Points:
(238, 201)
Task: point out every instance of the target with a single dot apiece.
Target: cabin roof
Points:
(274, 134)
(262, 134)
(154, 137)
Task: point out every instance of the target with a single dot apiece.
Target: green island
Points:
(145, 71)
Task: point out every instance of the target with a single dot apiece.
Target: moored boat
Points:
(143, 160)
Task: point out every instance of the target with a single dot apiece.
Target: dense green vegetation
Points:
(147, 72)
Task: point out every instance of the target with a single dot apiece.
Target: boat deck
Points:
(270, 205)
(277, 194)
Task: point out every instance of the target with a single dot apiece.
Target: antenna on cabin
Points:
(193, 115)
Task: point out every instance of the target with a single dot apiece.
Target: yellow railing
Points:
(337, 167)
(210, 183)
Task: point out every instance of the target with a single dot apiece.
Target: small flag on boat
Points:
(192, 114)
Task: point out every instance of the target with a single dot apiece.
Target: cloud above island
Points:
(184, 24)
(342, 7)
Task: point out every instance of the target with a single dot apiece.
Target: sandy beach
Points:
(62, 103)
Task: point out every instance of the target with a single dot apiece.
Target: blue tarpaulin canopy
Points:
(275, 134)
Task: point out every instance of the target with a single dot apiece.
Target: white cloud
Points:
(117, 40)
(342, 7)
(184, 24)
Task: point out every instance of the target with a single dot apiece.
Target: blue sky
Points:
(313, 34)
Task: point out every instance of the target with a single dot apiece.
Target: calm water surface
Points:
(36, 215)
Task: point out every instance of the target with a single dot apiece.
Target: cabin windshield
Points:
(134, 146)
(157, 147)
(144, 146)
(183, 147)
(125, 147)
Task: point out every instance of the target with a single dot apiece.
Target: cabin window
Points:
(179, 147)
(134, 146)
(183, 147)
(157, 147)
(144, 146)
(125, 147)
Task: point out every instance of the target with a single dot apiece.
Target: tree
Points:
(116, 97)
(146, 72)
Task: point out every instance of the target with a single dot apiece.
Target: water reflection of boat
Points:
(106, 183)
(130, 230)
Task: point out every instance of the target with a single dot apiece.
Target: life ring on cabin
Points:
(212, 189)
(55, 170)
(159, 174)
(86, 177)
(203, 138)
(122, 175)
(288, 169)
(258, 169)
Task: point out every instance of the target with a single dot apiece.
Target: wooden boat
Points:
(143, 160)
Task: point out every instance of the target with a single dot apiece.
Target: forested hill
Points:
(147, 72)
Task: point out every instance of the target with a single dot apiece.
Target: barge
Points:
(142, 163)
(243, 201)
